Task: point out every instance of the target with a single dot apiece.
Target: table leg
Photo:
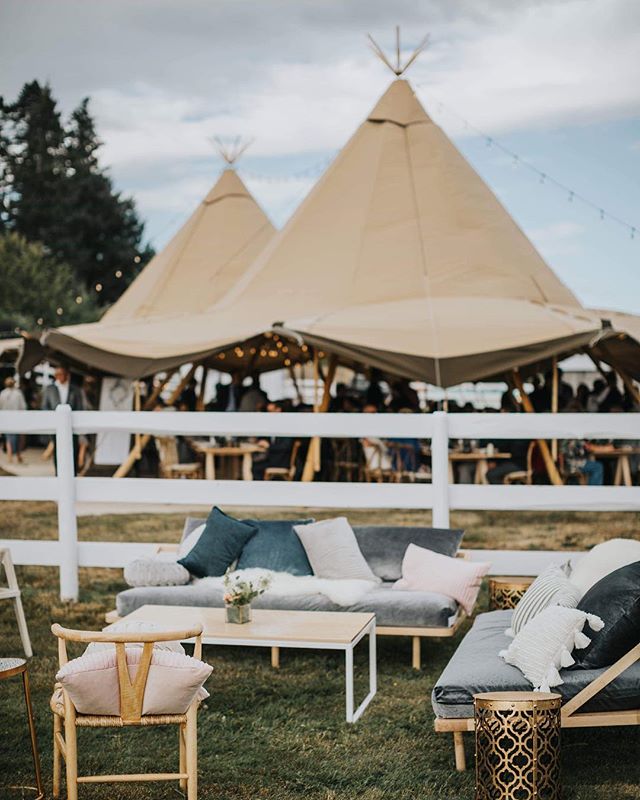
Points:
(209, 467)
(626, 470)
(451, 475)
(247, 467)
(32, 733)
(348, 657)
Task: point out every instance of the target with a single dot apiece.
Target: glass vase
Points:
(238, 615)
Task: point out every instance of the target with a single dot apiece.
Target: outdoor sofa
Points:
(591, 697)
(407, 613)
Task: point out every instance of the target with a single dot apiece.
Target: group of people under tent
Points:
(577, 458)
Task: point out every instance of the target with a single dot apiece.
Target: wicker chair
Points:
(131, 701)
(285, 473)
(170, 466)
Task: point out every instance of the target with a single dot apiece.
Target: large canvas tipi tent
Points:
(400, 257)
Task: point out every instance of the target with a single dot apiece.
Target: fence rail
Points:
(439, 496)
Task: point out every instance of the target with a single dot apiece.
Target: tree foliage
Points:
(36, 287)
(53, 191)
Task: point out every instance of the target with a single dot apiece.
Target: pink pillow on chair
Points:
(426, 571)
(173, 682)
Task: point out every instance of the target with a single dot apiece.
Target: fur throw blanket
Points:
(340, 592)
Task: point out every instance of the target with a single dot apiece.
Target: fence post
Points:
(67, 522)
(440, 470)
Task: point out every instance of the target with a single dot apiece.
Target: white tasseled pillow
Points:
(550, 588)
(545, 644)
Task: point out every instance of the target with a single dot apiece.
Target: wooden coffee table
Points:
(313, 630)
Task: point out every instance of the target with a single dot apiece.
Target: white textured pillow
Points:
(188, 543)
(333, 551)
(550, 588)
(173, 682)
(602, 560)
(155, 572)
(426, 571)
(545, 644)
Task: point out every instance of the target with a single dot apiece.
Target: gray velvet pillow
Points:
(155, 572)
(333, 551)
(384, 546)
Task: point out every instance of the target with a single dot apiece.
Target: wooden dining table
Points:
(235, 454)
(622, 475)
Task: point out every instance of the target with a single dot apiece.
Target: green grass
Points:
(281, 734)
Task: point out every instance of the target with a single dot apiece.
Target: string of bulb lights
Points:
(543, 177)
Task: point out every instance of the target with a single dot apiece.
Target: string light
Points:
(40, 321)
(98, 287)
(543, 176)
(59, 311)
(79, 299)
(118, 273)
(136, 259)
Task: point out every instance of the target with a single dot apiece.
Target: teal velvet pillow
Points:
(276, 546)
(219, 546)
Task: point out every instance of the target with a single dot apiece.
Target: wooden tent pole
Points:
(157, 390)
(554, 404)
(552, 470)
(203, 387)
(292, 373)
(129, 461)
(312, 464)
(136, 406)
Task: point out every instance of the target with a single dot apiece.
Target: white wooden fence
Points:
(440, 496)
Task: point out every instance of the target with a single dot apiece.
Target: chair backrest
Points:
(131, 692)
(167, 450)
(532, 446)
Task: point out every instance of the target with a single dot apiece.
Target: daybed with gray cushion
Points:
(607, 696)
(398, 613)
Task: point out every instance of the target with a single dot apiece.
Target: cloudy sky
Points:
(557, 82)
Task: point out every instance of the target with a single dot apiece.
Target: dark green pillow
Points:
(276, 546)
(219, 546)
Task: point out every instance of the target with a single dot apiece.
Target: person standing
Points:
(62, 392)
(12, 399)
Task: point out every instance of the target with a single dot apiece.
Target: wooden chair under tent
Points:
(170, 466)
(131, 698)
(285, 473)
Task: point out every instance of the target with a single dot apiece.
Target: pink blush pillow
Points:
(426, 571)
(173, 682)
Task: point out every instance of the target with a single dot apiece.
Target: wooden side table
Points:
(517, 745)
(505, 591)
(9, 668)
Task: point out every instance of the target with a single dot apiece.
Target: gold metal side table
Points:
(517, 745)
(505, 591)
(9, 668)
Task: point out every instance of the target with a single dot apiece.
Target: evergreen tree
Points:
(38, 291)
(54, 191)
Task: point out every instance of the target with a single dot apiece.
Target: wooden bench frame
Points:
(569, 716)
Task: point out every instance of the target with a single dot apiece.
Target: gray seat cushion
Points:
(384, 546)
(392, 608)
(476, 667)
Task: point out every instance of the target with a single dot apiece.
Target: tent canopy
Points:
(400, 249)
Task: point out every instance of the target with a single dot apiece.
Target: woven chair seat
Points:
(97, 721)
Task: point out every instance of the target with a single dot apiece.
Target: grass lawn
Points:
(281, 734)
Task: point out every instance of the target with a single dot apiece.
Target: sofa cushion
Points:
(277, 547)
(155, 572)
(392, 608)
(550, 588)
(384, 546)
(602, 560)
(333, 552)
(220, 545)
(616, 599)
(426, 571)
(476, 667)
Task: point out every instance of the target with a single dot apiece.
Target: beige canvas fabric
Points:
(620, 346)
(204, 259)
(400, 252)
